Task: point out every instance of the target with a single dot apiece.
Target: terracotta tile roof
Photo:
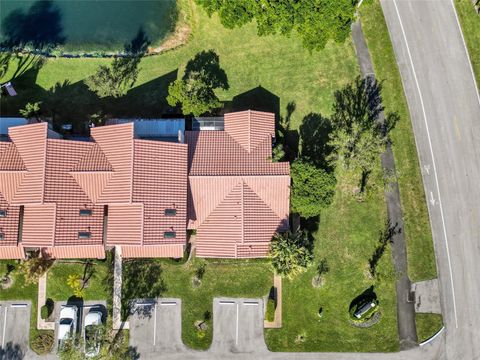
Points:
(116, 142)
(160, 183)
(149, 251)
(9, 224)
(11, 252)
(250, 128)
(125, 224)
(237, 198)
(10, 159)
(30, 142)
(62, 188)
(75, 252)
(38, 225)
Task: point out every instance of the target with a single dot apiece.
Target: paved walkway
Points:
(277, 322)
(405, 309)
(117, 292)
(42, 298)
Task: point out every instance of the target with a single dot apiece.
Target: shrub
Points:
(270, 314)
(47, 309)
(44, 312)
(42, 342)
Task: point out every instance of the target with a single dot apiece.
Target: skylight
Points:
(169, 234)
(3, 213)
(84, 235)
(85, 212)
(170, 212)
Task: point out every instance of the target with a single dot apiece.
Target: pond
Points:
(85, 25)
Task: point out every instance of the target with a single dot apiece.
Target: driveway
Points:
(14, 329)
(156, 327)
(238, 326)
(445, 109)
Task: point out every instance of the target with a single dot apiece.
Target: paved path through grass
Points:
(405, 310)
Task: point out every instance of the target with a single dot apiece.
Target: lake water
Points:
(87, 25)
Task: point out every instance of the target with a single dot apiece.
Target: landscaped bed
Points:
(428, 325)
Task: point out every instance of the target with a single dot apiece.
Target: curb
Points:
(432, 337)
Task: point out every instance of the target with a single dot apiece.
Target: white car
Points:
(67, 324)
(92, 333)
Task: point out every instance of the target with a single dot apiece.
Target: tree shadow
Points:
(39, 28)
(385, 237)
(289, 138)
(142, 279)
(315, 134)
(365, 297)
(12, 351)
(207, 63)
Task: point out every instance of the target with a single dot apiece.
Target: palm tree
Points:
(290, 254)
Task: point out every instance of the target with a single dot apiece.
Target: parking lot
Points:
(156, 326)
(14, 329)
(238, 326)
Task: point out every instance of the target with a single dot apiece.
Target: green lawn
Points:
(428, 325)
(21, 291)
(347, 237)
(421, 256)
(470, 23)
(226, 278)
(278, 64)
(58, 290)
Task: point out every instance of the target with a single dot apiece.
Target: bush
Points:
(270, 314)
(47, 309)
(42, 342)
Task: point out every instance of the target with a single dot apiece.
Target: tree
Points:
(195, 92)
(357, 137)
(35, 267)
(290, 254)
(141, 279)
(316, 21)
(31, 110)
(312, 188)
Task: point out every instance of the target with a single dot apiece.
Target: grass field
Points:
(230, 278)
(58, 290)
(428, 325)
(470, 23)
(347, 237)
(280, 65)
(420, 251)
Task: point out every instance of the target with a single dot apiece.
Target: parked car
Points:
(67, 324)
(92, 333)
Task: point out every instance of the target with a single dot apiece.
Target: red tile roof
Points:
(75, 198)
(238, 198)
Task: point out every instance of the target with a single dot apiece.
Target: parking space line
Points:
(250, 303)
(154, 324)
(226, 302)
(4, 327)
(168, 303)
(236, 330)
(18, 305)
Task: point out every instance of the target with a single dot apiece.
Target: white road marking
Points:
(168, 303)
(250, 303)
(226, 302)
(466, 50)
(432, 199)
(236, 330)
(427, 169)
(433, 162)
(154, 324)
(18, 305)
(4, 327)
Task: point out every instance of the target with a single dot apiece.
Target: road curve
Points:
(445, 108)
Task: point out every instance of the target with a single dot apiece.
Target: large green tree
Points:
(195, 92)
(290, 254)
(358, 137)
(316, 21)
(312, 188)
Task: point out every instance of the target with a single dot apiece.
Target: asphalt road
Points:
(445, 109)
